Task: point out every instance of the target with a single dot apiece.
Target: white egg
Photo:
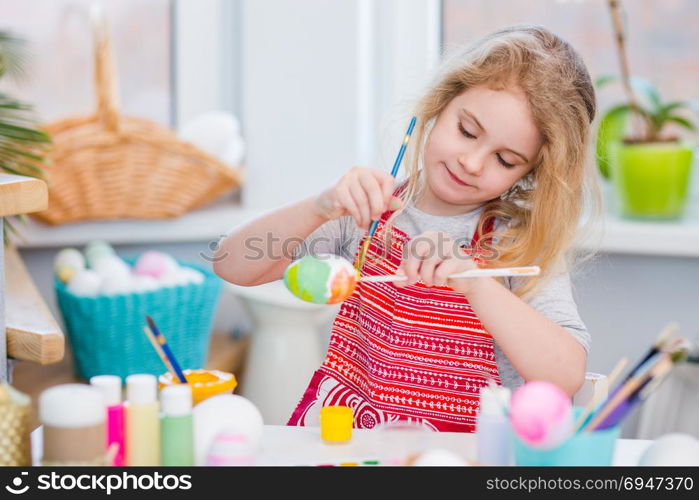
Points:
(229, 412)
(116, 283)
(143, 283)
(192, 275)
(85, 283)
(674, 449)
(109, 265)
(169, 279)
(211, 131)
(440, 457)
(231, 447)
(70, 258)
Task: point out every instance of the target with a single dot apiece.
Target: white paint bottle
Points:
(493, 429)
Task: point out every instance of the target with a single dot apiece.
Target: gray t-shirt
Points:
(553, 300)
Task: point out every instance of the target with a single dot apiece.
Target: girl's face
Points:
(481, 144)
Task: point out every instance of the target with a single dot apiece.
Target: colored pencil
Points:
(394, 171)
(166, 349)
(471, 273)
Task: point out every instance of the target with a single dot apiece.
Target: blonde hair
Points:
(541, 212)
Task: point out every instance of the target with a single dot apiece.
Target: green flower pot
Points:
(651, 180)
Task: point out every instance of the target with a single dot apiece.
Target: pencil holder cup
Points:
(106, 331)
(594, 448)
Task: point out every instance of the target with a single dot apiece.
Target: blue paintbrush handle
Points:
(173, 361)
(396, 165)
(401, 151)
(166, 349)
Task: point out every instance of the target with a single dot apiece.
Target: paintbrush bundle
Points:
(668, 350)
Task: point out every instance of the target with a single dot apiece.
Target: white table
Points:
(284, 445)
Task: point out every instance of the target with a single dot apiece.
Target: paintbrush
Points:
(616, 371)
(361, 255)
(471, 273)
(166, 349)
(618, 405)
(666, 337)
(679, 352)
(159, 350)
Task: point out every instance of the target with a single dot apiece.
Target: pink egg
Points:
(541, 414)
(154, 264)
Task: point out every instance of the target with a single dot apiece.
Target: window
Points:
(60, 71)
(662, 36)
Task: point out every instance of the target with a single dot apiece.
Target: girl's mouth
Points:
(455, 178)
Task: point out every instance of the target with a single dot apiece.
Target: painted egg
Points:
(321, 279)
(156, 264)
(541, 414)
(67, 263)
(231, 447)
(233, 414)
(95, 250)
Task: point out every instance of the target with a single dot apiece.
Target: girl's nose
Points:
(472, 163)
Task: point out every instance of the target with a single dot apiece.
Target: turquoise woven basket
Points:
(106, 332)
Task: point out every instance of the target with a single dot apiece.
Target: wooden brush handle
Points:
(472, 273)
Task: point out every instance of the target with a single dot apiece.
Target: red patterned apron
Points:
(416, 353)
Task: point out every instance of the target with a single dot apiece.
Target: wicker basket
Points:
(106, 332)
(107, 166)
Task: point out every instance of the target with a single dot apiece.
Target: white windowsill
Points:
(676, 239)
(205, 224)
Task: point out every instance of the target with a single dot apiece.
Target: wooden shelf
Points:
(32, 332)
(22, 195)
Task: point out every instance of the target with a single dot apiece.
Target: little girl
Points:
(496, 176)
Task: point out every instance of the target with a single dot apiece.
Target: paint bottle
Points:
(142, 421)
(110, 387)
(493, 428)
(73, 425)
(176, 425)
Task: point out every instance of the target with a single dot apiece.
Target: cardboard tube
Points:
(79, 445)
(73, 416)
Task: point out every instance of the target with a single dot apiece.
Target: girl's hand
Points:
(363, 193)
(431, 257)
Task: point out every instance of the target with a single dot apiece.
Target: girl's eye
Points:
(465, 132)
(503, 162)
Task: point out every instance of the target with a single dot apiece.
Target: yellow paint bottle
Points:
(142, 421)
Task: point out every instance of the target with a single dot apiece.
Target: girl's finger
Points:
(401, 272)
(372, 188)
(387, 182)
(427, 269)
(410, 268)
(362, 201)
(346, 200)
(414, 253)
(444, 270)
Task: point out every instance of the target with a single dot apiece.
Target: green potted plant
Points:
(22, 144)
(648, 166)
